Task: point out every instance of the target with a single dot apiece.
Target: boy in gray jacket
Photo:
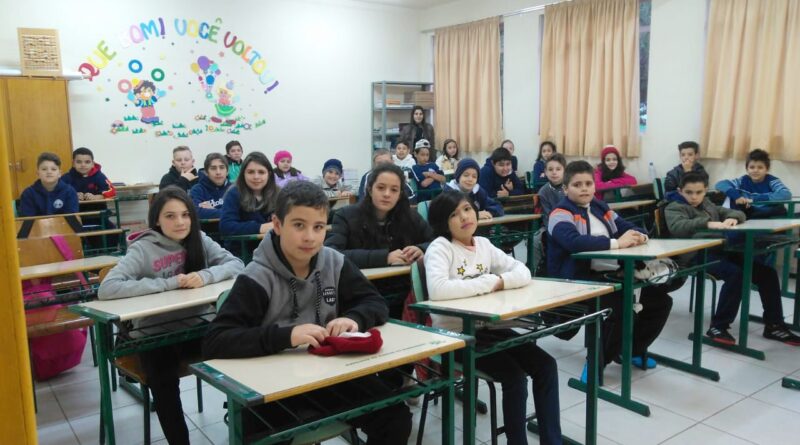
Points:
(689, 215)
(296, 292)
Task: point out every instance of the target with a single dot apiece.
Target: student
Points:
(86, 178)
(465, 181)
(428, 175)
(687, 215)
(580, 223)
(173, 253)
(382, 156)
(509, 145)
(546, 150)
(553, 191)
(331, 180)
(750, 192)
(182, 173)
(688, 152)
(209, 192)
(233, 154)
(448, 160)
(610, 173)
(417, 128)
(284, 172)
(49, 195)
(402, 157)
(461, 265)
(248, 204)
(382, 230)
(277, 304)
(498, 177)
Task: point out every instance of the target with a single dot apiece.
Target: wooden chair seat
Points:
(131, 366)
(41, 322)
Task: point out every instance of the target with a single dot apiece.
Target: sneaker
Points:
(720, 335)
(637, 362)
(781, 332)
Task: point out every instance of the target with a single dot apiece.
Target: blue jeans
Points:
(512, 368)
(730, 295)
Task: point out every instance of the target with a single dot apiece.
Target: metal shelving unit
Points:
(386, 119)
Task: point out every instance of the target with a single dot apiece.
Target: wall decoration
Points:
(213, 77)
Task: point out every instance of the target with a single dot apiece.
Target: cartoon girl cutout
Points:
(224, 106)
(144, 96)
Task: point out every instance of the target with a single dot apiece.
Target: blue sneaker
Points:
(585, 373)
(637, 362)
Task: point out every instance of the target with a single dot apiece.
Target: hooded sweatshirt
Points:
(151, 265)
(37, 201)
(173, 177)
(268, 300)
(206, 190)
(769, 189)
(480, 198)
(675, 175)
(95, 182)
(491, 181)
(233, 168)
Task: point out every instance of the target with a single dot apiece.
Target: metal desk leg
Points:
(593, 346)
(103, 332)
(531, 256)
(790, 383)
(235, 428)
(695, 367)
(448, 401)
(470, 393)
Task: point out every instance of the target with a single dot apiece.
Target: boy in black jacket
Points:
(293, 294)
(182, 173)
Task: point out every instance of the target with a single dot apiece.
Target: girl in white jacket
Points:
(461, 265)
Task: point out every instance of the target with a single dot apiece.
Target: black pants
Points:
(161, 368)
(647, 324)
(386, 426)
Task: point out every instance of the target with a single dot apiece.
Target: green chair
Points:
(422, 209)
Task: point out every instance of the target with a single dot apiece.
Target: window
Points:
(644, 55)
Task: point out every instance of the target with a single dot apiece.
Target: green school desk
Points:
(625, 205)
(790, 383)
(67, 267)
(540, 295)
(107, 312)
(750, 230)
(379, 273)
(499, 221)
(296, 372)
(654, 249)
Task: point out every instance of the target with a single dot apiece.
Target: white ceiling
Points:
(412, 4)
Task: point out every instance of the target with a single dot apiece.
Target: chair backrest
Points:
(44, 227)
(42, 250)
(658, 188)
(422, 209)
(660, 220)
(418, 285)
(222, 298)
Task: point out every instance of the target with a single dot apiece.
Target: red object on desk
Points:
(368, 344)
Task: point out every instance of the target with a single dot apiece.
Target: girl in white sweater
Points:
(461, 265)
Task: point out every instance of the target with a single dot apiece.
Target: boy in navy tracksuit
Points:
(427, 174)
(49, 195)
(210, 189)
(465, 180)
(498, 177)
(294, 293)
(750, 192)
(582, 223)
(86, 178)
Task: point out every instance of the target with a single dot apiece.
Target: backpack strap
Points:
(25, 229)
(61, 244)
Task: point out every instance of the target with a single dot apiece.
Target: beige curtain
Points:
(751, 97)
(466, 67)
(590, 76)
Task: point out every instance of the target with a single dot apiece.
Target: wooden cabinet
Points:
(35, 118)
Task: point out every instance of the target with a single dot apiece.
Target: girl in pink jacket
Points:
(610, 173)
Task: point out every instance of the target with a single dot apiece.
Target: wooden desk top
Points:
(378, 273)
(628, 186)
(295, 371)
(655, 248)
(95, 201)
(539, 295)
(763, 225)
(135, 187)
(100, 233)
(512, 198)
(67, 267)
(623, 205)
(507, 219)
(136, 307)
(79, 214)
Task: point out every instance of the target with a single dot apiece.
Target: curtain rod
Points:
(507, 14)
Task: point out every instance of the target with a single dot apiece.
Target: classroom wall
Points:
(324, 54)
(677, 49)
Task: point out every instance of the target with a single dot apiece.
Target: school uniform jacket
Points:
(770, 189)
(95, 182)
(601, 186)
(569, 232)
(37, 201)
(267, 301)
(480, 198)
(173, 177)
(206, 191)
(491, 182)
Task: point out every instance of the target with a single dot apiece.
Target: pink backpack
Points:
(53, 354)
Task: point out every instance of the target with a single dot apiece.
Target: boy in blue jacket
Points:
(86, 178)
(498, 177)
(210, 189)
(427, 174)
(465, 180)
(49, 195)
(582, 223)
(749, 192)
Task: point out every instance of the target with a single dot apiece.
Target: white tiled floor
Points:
(747, 406)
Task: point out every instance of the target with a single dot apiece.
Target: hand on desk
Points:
(404, 256)
(339, 326)
(730, 222)
(206, 205)
(190, 281)
(744, 201)
(631, 238)
(308, 334)
(483, 214)
(266, 227)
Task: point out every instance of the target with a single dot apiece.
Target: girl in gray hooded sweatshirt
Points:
(173, 253)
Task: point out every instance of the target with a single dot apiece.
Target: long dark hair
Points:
(193, 243)
(412, 121)
(442, 207)
(607, 174)
(400, 216)
(444, 149)
(247, 199)
(542, 145)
